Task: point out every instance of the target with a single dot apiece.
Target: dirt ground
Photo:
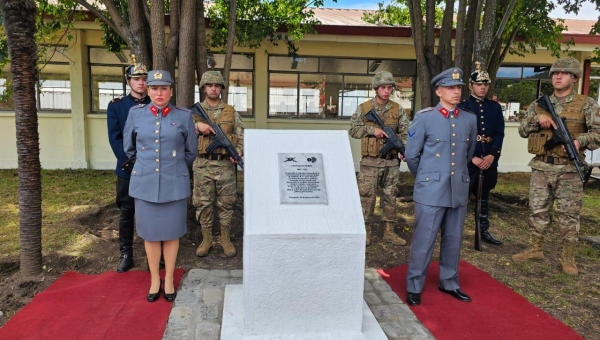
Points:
(573, 300)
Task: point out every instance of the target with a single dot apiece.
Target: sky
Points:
(587, 12)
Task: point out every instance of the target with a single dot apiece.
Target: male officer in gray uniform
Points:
(440, 145)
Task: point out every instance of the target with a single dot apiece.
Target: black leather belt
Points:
(214, 157)
(553, 160)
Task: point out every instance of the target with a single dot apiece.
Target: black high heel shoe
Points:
(154, 296)
(170, 297)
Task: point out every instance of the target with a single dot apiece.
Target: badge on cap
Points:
(455, 74)
(157, 75)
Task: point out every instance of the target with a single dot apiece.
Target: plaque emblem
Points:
(157, 75)
(455, 74)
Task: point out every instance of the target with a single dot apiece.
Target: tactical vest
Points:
(574, 121)
(369, 145)
(227, 121)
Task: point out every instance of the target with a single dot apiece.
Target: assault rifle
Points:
(220, 140)
(392, 142)
(561, 135)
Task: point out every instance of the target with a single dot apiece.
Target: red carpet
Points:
(105, 306)
(495, 313)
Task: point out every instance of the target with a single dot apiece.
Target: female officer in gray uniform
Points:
(163, 141)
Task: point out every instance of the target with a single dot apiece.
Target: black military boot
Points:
(485, 225)
(126, 227)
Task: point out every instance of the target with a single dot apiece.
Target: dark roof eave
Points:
(581, 39)
(372, 31)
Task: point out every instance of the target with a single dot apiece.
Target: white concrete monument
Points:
(304, 242)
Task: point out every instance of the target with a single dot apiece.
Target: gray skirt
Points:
(161, 221)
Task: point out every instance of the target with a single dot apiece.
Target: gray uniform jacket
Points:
(164, 146)
(438, 151)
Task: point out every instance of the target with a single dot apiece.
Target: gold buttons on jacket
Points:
(453, 125)
(437, 155)
(426, 178)
(453, 144)
(453, 164)
(156, 141)
(157, 160)
(452, 173)
(158, 123)
(156, 150)
(481, 117)
(453, 154)
(454, 135)
(156, 170)
(143, 148)
(156, 131)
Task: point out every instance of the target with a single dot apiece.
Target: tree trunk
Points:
(157, 27)
(19, 25)
(423, 74)
(460, 34)
(137, 37)
(201, 56)
(483, 48)
(176, 8)
(445, 42)
(229, 49)
(187, 37)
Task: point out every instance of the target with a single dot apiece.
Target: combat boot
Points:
(533, 253)
(126, 227)
(368, 235)
(228, 248)
(206, 244)
(390, 235)
(568, 259)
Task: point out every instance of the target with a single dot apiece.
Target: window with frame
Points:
(517, 86)
(315, 87)
(52, 88)
(108, 81)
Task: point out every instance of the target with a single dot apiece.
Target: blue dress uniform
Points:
(116, 115)
(490, 131)
(165, 144)
(440, 144)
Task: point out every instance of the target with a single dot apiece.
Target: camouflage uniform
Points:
(555, 178)
(374, 170)
(214, 174)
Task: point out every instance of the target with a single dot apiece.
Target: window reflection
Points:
(336, 90)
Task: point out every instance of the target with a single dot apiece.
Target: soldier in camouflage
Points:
(215, 173)
(376, 171)
(554, 177)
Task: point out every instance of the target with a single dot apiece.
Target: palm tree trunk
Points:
(19, 25)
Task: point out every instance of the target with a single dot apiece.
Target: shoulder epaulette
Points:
(427, 109)
(183, 108)
(463, 109)
(116, 100)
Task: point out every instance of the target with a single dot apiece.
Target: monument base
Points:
(232, 327)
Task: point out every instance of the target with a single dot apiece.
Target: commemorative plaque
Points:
(301, 178)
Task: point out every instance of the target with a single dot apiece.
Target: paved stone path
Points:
(197, 311)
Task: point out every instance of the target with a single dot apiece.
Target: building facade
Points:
(319, 89)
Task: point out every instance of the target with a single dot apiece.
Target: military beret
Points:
(449, 77)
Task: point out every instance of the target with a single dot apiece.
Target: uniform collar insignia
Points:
(445, 112)
(165, 111)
